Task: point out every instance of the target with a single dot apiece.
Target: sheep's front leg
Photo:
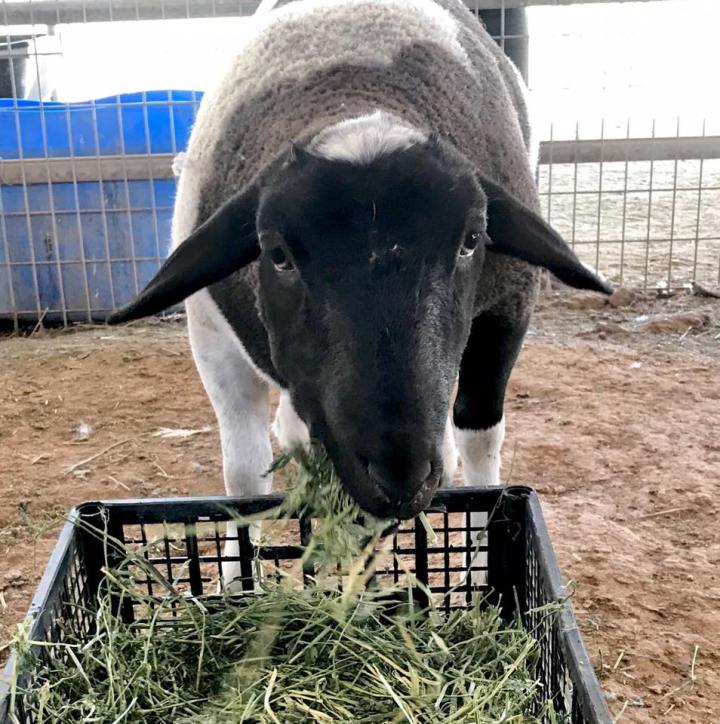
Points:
(240, 398)
(478, 417)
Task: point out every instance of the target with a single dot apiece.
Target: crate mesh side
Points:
(190, 554)
(552, 670)
(194, 558)
(68, 617)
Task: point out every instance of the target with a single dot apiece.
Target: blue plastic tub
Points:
(72, 251)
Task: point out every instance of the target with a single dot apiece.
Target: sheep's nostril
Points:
(398, 481)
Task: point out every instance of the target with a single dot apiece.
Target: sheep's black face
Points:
(368, 277)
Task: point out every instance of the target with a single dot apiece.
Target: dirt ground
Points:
(613, 415)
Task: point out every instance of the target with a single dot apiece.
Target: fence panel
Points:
(86, 186)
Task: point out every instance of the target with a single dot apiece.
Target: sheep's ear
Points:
(517, 231)
(226, 242)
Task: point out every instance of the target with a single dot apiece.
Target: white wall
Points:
(102, 59)
(640, 60)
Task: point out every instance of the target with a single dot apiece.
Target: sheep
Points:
(357, 224)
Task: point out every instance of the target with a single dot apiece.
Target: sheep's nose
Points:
(399, 479)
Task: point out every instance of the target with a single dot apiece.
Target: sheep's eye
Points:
(280, 260)
(470, 243)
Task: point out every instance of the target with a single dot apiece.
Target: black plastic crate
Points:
(515, 567)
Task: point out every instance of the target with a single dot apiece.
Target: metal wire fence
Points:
(645, 212)
(86, 186)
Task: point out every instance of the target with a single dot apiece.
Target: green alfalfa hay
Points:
(289, 654)
(341, 530)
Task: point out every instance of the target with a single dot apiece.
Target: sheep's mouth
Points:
(353, 472)
(374, 500)
(422, 498)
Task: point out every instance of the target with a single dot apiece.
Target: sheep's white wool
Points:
(362, 140)
(178, 164)
(480, 454)
(449, 454)
(240, 397)
(291, 432)
(187, 200)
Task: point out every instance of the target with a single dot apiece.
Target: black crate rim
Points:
(215, 508)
